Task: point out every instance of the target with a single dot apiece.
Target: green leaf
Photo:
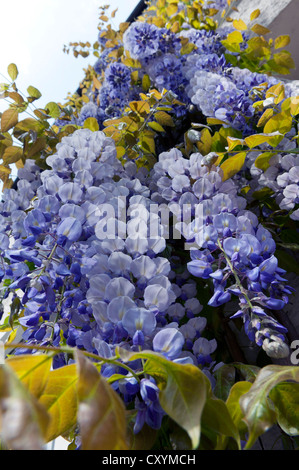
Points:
(9, 119)
(33, 371)
(101, 414)
(225, 378)
(33, 92)
(183, 390)
(285, 397)
(12, 71)
(258, 412)
(53, 109)
(233, 404)
(61, 400)
(92, 124)
(216, 417)
(23, 420)
(233, 165)
(248, 371)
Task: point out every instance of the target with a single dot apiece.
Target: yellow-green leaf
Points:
(281, 122)
(12, 155)
(187, 48)
(101, 414)
(33, 92)
(39, 145)
(61, 401)
(216, 417)
(271, 138)
(156, 126)
(4, 169)
(235, 37)
(255, 14)
(259, 414)
(33, 371)
(265, 117)
(282, 41)
(92, 124)
(233, 165)
(12, 71)
(260, 30)
(234, 142)
(233, 403)
(285, 397)
(164, 119)
(240, 25)
(262, 161)
(53, 109)
(146, 82)
(9, 119)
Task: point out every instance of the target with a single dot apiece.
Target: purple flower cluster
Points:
(228, 245)
(78, 249)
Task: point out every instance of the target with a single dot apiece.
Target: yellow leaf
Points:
(260, 30)
(12, 70)
(234, 142)
(291, 105)
(284, 59)
(265, 117)
(282, 41)
(272, 139)
(235, 37)
(4, 169)
(233, 165)
(60, 400)
(146, 83)
(205, 143)
(255, 14)
(12, 155)
(262, 161)
(9, 119)
(277, 92)
(140, 107)
(120, 151)
(33, 371)
(164, 119)
(156, 127)
(214, 121)
(240, 25)
(281, 122)
(187, 48)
